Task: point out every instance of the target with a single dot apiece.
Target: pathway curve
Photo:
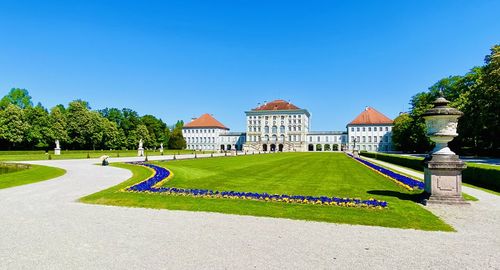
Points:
(43, 227)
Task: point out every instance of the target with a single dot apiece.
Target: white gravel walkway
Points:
(43, 227)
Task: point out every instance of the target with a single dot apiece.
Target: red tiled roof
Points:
(370, 116)
(205, 120)
(277, 105)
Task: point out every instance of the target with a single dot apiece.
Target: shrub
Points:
(481, 175)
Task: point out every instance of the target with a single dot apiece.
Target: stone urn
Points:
(443, 168)
(441, 122)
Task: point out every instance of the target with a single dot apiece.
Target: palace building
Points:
(282, 126)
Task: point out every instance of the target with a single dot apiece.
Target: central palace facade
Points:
(281, 126)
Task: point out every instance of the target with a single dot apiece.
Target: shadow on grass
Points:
(414, 197)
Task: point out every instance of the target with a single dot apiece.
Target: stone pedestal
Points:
(355, 153)
(57, 151)
(140, 152)
(443, 179)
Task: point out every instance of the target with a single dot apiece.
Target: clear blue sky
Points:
(180, 59)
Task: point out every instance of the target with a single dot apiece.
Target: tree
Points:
(40, 133)
(113, 137)
(58, 125)
(17, 96)
(157, 129)
(176, 140)
(13, 125)
(477, 95)
(80, 126)
(489, 100)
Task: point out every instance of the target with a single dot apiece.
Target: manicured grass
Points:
(79, 154)
(329, 174)
(35, 173)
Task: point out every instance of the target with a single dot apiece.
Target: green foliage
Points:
(13, 125)
(177, 141)
(16, 96)
(40, 133)
(476, 94)
(76, 127)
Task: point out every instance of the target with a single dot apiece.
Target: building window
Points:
(363, 139)
(357, 129)
(374, 138)
(374, 128)
(386, 129)
(370, 139)
(310, 139)
(266, 129)
(363, 128)
(275, 129)
(318, 138)
(282, 129)
(352, 129)
(369, 129)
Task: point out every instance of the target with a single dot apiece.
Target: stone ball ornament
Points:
(441, 122)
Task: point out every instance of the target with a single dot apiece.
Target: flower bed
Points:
(400, 179)
(154, 185)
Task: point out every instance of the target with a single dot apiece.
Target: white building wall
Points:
(202, 139)
(370, 137)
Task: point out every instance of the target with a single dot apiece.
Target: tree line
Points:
(24, 126)
(476, 94)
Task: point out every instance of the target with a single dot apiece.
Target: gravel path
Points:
(43, 227)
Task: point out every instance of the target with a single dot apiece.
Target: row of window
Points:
(274, 129)
(200, 139)
(199, 130)
(364, 139)
(255, 122)
(275, 117)
(370, 128)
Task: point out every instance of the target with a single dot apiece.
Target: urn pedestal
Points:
(443, 179)
(57, 151)
(140, 152)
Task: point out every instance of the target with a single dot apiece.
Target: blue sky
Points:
(181, 59)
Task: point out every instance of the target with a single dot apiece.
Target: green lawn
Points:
(78, 154)
(35, 173)
(329, 174)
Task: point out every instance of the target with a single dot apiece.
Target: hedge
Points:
(481, 175)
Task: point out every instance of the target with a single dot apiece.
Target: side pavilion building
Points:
(203, 133)
(370, 131)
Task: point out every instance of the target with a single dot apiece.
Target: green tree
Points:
(176, 140)
(58, 125)
(80, 126)
(17, 96)
(40, 133)
(13, 126)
